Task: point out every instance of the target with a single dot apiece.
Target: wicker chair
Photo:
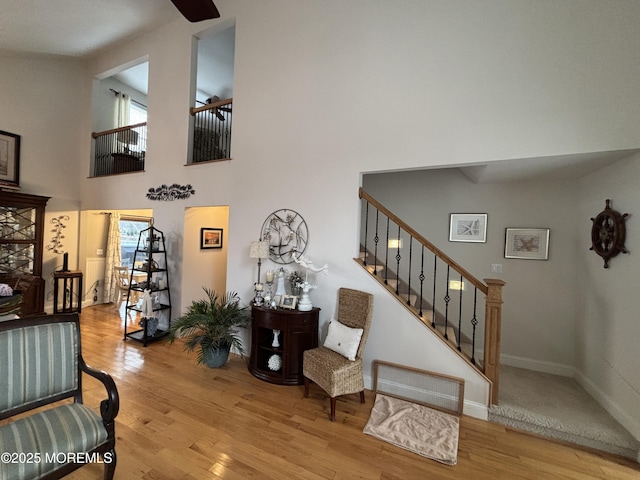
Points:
(332, 372)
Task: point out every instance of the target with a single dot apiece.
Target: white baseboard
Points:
(611, 407)
(476, 410)
(538, 365)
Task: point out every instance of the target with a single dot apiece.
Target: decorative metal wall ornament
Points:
(171, 192)
(56, 245)
(287, 234)
(608, 233)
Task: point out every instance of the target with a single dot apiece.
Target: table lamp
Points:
(259, 250)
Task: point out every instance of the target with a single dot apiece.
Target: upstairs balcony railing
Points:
(464, 311)
(119, 150)
(212, 131)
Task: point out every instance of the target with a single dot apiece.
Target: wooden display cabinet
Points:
(21, 242)
(278, 358)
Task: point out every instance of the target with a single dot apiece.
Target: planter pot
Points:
(217, 358)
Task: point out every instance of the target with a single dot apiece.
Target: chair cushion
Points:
(70, 428)
(29, 377)
(343, 340)
(332, 372)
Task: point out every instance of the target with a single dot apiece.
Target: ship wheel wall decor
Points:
(608, 233)
(287, 234)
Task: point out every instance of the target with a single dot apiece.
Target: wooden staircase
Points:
(441, 311)
(424, 312)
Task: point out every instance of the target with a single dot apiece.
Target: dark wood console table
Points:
(277, 357)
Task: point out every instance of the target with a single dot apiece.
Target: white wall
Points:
(44, 100)
(208, 267)
(539, 315)
(608, 328)
(326, 90)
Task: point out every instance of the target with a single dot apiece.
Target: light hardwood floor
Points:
(180, 421)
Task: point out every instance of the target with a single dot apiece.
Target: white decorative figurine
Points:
(305, 302)
(308, 264)
(274, 363)
(280, 289)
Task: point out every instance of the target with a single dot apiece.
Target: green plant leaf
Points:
(211, 323)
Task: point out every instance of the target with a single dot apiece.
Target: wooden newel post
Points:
(493, 319)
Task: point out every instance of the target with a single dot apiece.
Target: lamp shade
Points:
(130, 137)
(259, 249)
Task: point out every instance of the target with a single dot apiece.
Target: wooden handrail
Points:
(119, 129)
(492, 290)
(211, 106)
(448, 260)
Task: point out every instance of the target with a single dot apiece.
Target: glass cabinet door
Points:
(17, 239)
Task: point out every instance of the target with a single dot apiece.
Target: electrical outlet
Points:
(496, 268)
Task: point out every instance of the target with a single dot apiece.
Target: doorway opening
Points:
(204, 267)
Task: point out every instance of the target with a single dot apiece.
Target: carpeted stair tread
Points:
(558, 407)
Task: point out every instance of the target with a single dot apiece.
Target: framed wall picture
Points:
(527, 243)
(210, 238)
(288, 301)
(468, 227)
(9, 160)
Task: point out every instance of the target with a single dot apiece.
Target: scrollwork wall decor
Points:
(56, 245)
(169, 193)
(287, 234)
(608, 233)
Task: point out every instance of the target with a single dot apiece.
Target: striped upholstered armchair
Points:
(41, 364)
(336, 367)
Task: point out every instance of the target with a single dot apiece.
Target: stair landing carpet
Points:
(419, 429)
(558, 407)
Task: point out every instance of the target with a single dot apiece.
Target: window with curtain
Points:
(130, 228)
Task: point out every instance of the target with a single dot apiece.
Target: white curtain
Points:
(113, 258)
(121, 110)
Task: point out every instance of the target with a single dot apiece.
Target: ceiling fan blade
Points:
(197, 10)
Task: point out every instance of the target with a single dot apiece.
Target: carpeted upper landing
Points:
(558, 407)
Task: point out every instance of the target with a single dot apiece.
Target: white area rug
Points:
(427, 432)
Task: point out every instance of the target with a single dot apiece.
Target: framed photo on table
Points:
(468, 227)
(9, 160)
(288, 301)
(210, 238)
(527, 243)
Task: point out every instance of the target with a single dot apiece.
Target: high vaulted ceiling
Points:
(77, 27)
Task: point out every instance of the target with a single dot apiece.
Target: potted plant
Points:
(211, 325)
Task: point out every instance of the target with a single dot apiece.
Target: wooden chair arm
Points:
(111, 405)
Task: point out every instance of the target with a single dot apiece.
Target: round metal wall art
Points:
(287, 234)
